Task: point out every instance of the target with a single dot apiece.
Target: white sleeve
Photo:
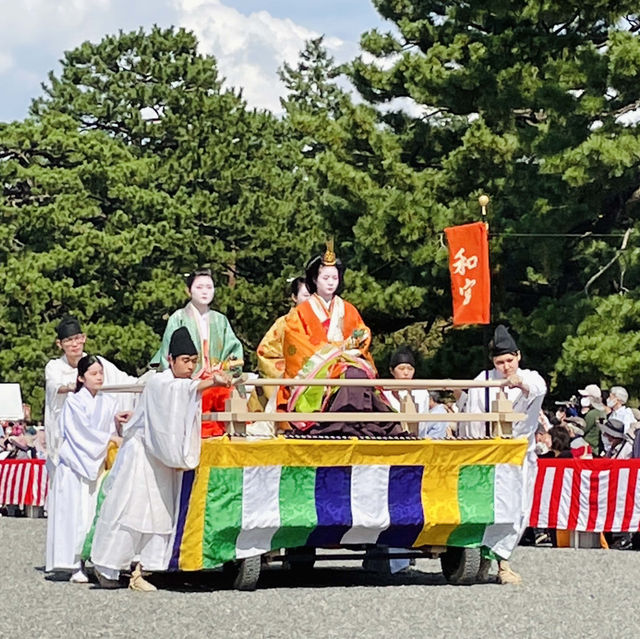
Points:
(475, 404)
(112, 376)
(85, 435)
(172, 420)
(54, 380)
(535, 382)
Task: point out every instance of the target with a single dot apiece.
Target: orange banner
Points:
(470, 277)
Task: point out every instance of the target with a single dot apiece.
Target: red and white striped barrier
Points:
(591, 495)
(23, 482)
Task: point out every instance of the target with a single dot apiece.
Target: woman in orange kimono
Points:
(270, 351)
(325, 337)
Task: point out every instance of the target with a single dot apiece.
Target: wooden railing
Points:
(237, 414)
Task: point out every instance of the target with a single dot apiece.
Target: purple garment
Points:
(350, 399)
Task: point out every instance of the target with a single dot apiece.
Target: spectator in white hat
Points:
(616, 408)
(592, 397)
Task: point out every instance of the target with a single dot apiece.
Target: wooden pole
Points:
(405, 384)
(249, 416)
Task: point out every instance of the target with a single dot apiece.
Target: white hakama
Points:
(138, 515)
(86, 425)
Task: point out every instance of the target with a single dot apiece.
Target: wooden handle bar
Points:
(399, 384)
(361, 417)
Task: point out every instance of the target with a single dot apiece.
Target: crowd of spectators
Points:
(591, 424)
(22, 440)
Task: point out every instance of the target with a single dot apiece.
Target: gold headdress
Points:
(329, 257)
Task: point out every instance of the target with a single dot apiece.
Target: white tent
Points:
(11, 402)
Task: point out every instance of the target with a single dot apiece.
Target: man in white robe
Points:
(162, 438)
(60, 379)
(526, 391)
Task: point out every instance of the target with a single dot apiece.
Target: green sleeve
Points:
(232, 346)
(162, 356)
(591, 431)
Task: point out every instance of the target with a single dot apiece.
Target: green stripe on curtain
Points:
(222, 517)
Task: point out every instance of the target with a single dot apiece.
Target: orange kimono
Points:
(313, 325)
(271, 357)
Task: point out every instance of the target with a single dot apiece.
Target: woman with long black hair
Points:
(88, 422)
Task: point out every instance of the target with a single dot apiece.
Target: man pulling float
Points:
(162, 438)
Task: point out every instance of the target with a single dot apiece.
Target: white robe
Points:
(420, 398)
(435, 430)
(503, 538)
(58, 373)
(529, 404)
(426, 430)
(86, 425)
(161, 439)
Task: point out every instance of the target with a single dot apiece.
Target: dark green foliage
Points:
(521, 100)
(104, 211)
(136, 165)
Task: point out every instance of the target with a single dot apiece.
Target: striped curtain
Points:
(247, 498)
(593, 495)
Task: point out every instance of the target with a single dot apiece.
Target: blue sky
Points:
(250, 38)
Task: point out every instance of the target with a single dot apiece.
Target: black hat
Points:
(181, 343)
(68, 327)
(502, 342)
(402, 355)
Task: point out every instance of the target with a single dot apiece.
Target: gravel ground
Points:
(566, 593)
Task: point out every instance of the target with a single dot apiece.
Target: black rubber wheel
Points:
(300, 560)
(460, 566)
(247, 573)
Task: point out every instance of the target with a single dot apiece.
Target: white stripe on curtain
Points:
(621, 498)
(507, 493)
(260, 510)
(603, 500)
(565, 499)
(369, 504)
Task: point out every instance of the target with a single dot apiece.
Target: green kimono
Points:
(222, 342)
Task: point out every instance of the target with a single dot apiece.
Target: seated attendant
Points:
(270, 351)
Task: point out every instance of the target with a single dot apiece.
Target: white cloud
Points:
(249, 48)
(35, 33)
(631, 118)
(47, 25)
(6, 62)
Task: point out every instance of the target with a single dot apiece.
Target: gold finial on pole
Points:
(483, 201)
